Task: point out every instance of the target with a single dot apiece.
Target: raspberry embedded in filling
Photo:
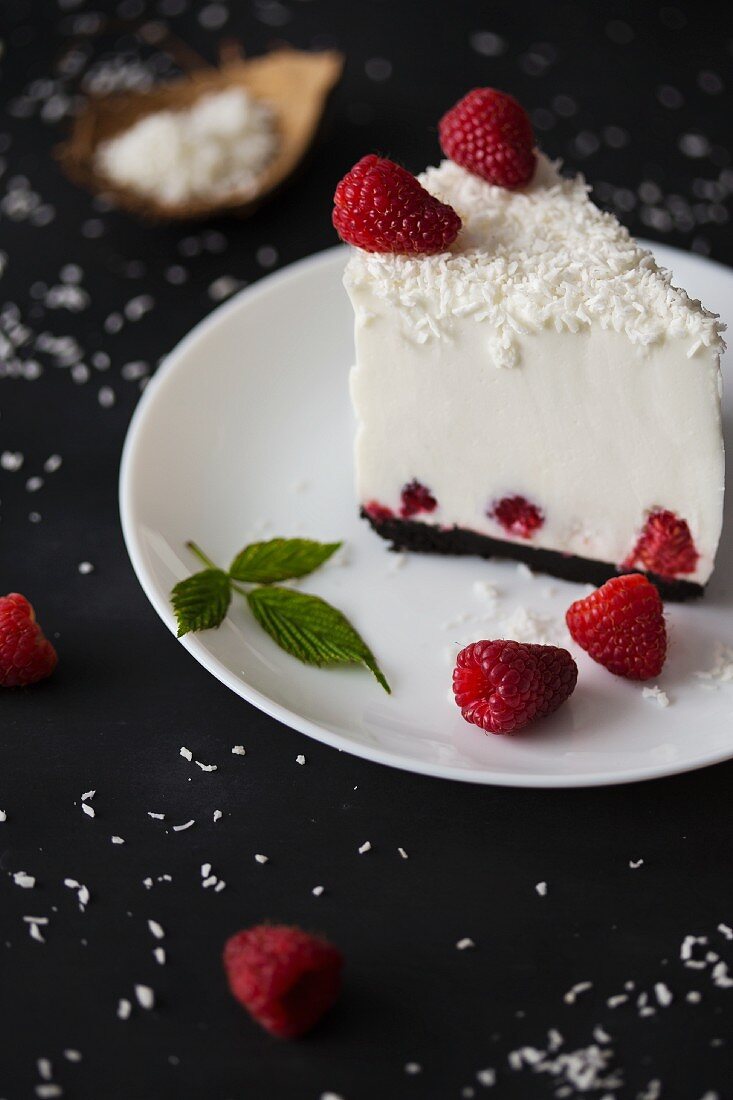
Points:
(416, 498)
(377, 511)
(517, 516)
(665, 546)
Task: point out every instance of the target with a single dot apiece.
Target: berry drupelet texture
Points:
(503, 685)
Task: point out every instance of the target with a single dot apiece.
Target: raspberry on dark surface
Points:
(665, 546)
(621, 626)
(416, 498)
(489, 133)
(518, 516)
(381, 207)
(287, 979)
(503, 685)
(26, 656)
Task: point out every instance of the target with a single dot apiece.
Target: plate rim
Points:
(316, 730)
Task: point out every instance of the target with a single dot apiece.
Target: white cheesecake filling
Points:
(612, 410)
(592, 430)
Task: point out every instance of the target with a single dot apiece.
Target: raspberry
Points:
(25, 655)
(284, 977)
(377, 511)
(490, 134)
(416, 498)
(381, 207)
(503, 685)
(517, 516)
(621, 625)
(665, 546)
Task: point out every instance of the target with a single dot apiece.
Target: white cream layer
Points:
(544, 257)
(592, 429)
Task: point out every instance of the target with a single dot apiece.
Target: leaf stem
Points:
(201, 555)
(196, 549)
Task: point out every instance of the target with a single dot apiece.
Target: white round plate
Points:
(245, 432)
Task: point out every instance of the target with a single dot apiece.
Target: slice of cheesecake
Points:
(540, 391)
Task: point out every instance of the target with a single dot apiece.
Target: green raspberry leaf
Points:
(310, 629)
(200, 602)
(280, 560)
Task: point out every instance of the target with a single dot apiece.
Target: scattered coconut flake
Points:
(219, 886)
(465, 943)
(52, 464)
(159, 955)
(486, 1077)
(11, 461)
(300, 759)
(541, 889)
(586, 1069)
(88, 795)
(3, 815)
(157, 817)
(262, 859)
(403, 853)
(72, 1055)
(223, 287)
(721, 976)
(35, 932)
(117, 840)
(156, 929)
(317, 891)
(218, 815)
(210, 880)
(186, 825)
(124, 1008)
(365, 847)
(687, 949)
(24, 880)
(205, 870)
(601, 1035)
(186, 753)
(527, 626)
(205, 767)
(88, 810)
(656, 695)
(572, 994)
(484, 590)
(45, 1069)
(616, 1000)
(634, 864)
(694, 997)
(412, 1068)
(663, 994)
(721, 670)
(145, 996)
(85, 567)
(48, 1092)
(148, 883)
(239, 750)
(726, 931)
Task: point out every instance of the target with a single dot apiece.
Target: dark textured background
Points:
(641, 88)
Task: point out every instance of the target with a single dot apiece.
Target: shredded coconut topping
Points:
(542, 257)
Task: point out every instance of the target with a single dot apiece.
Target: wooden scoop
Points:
(294, 83)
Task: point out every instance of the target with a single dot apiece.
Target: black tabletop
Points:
(591, 987)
